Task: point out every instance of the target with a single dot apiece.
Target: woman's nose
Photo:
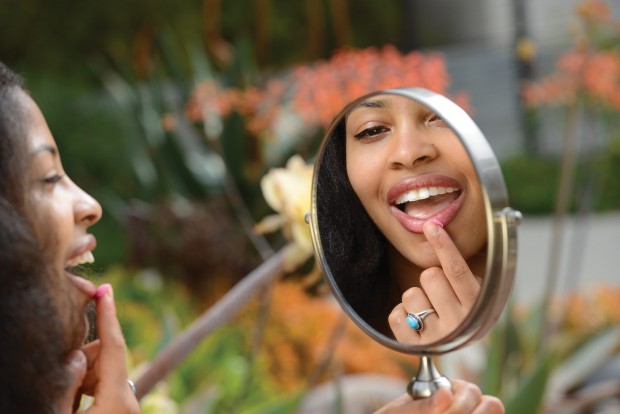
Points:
(411, 146)
(86, 209)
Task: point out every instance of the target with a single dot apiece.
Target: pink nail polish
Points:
(102, 290)
(437, 222)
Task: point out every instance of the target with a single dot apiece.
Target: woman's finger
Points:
(467, 397)
(454, 266)
(438, 403)
(91, 350)
(112, 392)
(441, 294)
(76, 370)
(112, 343)
(397, 319)
(489, 405)
(416, 300)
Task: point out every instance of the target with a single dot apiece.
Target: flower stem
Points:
(213, 318)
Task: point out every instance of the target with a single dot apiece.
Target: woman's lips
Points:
(419, 199)
(88, 291)
(85, 286)
(82, 252)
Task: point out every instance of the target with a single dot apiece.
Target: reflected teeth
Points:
(424, 193)
(86, 257)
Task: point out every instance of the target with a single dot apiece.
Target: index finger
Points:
(111, 361)
(453, 264)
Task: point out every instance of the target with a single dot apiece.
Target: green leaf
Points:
(584, 362)
(281, 405)
(496, 352)
(529, 396)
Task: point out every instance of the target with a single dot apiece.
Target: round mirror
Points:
(410, 221)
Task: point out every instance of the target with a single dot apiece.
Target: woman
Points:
(394, 175)
(44, 218)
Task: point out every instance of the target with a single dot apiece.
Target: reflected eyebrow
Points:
(371, 103)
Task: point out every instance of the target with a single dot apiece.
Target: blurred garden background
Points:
(174, 115)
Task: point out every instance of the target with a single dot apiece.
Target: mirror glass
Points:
(410, 221)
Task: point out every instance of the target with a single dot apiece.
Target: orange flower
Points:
(316, 92)
(594, 11)
(586, 71)
(299, 333)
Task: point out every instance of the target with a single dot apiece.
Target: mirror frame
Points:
(501, 228)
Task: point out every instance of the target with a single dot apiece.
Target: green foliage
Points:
(597, 177)
(534, 371)
(219, 373)
(117, 29)
(532, 183)
(529, 397)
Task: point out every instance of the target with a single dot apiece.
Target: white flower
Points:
(287, 191)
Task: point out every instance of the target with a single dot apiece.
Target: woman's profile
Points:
(45, 217)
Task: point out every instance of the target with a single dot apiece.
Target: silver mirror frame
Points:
(501, 227)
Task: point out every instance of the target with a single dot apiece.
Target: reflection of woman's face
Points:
(63, 212)
(407, 167)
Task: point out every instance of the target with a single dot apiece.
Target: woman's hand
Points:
(466, 398)
(451, 290)
(101, 369)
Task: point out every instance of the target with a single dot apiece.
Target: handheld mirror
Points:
(411, 224)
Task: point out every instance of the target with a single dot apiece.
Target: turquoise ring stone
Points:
(416, 320)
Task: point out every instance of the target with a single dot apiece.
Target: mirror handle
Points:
(427, 381)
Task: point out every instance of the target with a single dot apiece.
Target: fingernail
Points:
(433, 227)
(102, 290)
(437, 222)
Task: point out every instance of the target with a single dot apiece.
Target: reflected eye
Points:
(371, 132)
(433, 119)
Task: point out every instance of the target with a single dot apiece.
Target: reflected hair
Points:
(34, 344)
(354, 248)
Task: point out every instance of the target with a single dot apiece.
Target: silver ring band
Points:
(132, 386)
(416, 320)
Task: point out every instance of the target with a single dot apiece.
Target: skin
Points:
(393, 143)
(466, 398)
(66, 212)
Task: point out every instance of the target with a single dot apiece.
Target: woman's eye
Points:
(53, 179)
(371, 132)
(434, 119)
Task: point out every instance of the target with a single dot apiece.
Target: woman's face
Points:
(407, 167)
(62, 213)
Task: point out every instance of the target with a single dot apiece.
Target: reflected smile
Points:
(423, 201)
(419, 199)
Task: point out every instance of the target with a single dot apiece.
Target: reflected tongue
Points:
(424, 209)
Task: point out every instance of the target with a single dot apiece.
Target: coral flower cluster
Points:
(314, 93)
(591, 70)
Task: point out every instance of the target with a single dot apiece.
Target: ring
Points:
(132, 386)
(416, 320)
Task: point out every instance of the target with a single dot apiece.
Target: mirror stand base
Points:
(427, 381)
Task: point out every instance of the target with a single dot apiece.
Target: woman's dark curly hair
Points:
(33, 343)
(354, 248)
